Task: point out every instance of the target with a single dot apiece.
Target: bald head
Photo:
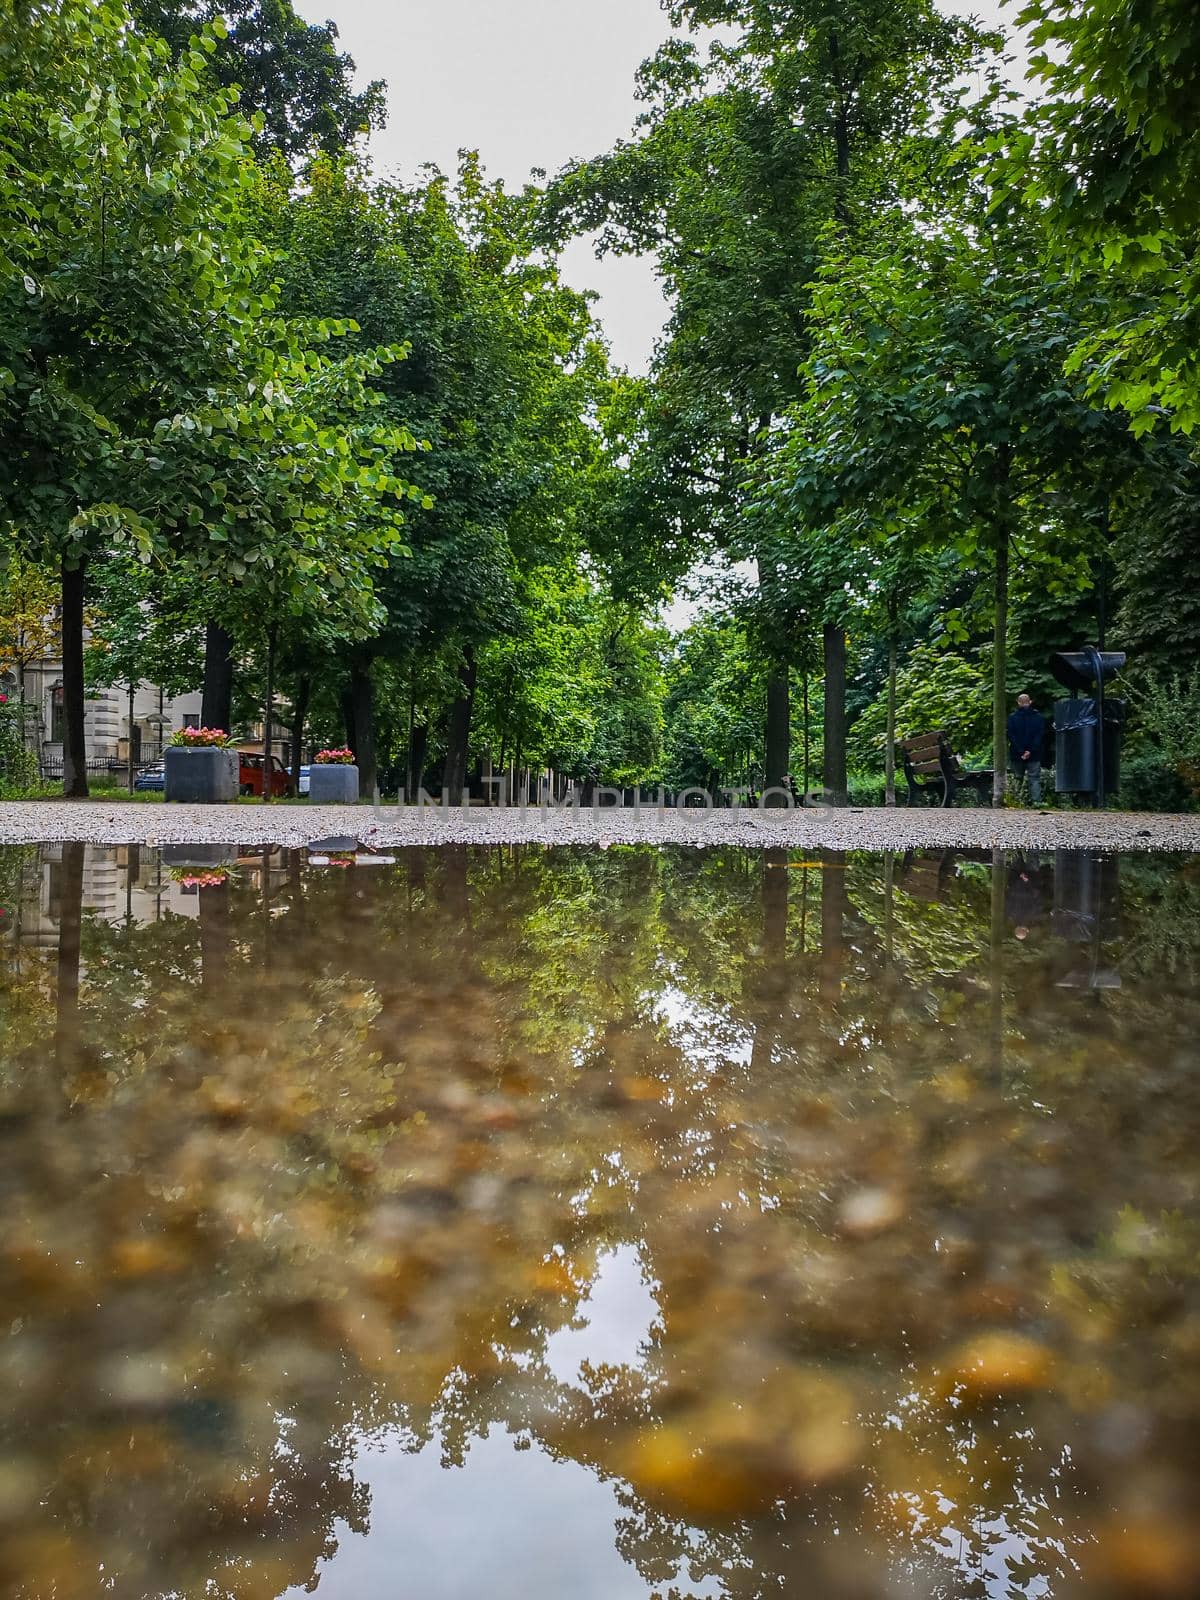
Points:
(1024, 701)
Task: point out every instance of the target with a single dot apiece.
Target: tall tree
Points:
(289, 73)
(142, 626)
(746, 159)
(295, 489)
(122, 281)
(936, 397)
(1112, 146)
(505, 366)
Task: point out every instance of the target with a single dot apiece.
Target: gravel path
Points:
(117, 822)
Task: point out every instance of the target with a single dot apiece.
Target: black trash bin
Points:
(1088, 727)
(1075, 746)
(1078, 669)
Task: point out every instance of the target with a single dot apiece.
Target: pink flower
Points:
(203, 737)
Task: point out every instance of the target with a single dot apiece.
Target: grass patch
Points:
(32, 791)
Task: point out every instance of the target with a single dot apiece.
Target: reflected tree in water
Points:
(941, 1310)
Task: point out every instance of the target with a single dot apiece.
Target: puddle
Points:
(564, 1223)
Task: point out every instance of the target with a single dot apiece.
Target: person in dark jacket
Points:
(1026, 730)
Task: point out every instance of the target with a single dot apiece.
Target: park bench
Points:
(926, 875)
(935, 774)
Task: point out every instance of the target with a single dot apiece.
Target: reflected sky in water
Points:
(647, 1223)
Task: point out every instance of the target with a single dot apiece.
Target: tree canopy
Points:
(288, 72)
(926, 393)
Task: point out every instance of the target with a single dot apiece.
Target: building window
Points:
(191, 719)
(56, 714)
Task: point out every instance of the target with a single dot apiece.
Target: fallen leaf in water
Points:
(18, 1487)
(146, 1257)
(997, 1364)
(665, 1465)
(49, 1563)
(638, 1088)
(222, 1100)
(554, 1277)
(1147, 1557)
(870, 1211)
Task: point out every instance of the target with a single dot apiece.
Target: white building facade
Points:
(108, 725)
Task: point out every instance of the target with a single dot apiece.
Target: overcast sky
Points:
(528, 83)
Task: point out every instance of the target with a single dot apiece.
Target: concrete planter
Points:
(331, 784)
(198, 855)
(208, 776)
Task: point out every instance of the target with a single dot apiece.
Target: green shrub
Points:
(1149, 782)
(869, 788)
(18, 765)
(1166, 707)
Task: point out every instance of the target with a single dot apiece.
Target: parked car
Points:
(250, 774)
(152, 776)
(303, 786)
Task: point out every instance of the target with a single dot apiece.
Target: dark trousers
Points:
(1031, 772)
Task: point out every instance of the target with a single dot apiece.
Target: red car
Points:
(250, 774)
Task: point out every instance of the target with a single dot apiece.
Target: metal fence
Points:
(106, 767)
(115, 767)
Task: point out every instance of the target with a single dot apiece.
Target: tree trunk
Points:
(409, 788)
(834, 639)
(418, 745)
(129, 746)
(1000, 674)
(70, 930)
(299, 717)
(1102, 580)
(833, 914)
(835, 635)
(996, 966)
(807, 739)
(775, 910)
(214, 917)
(362, 713)
(889, 904)
(75, 784)
(841, 132)
(346, 701)
(456, 894)
(268, 718)
(216, 704)
(771, 978)
(889, 749)
(458, 732)
(132, 864)
(779, 733)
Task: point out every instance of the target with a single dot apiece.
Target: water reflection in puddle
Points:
(567, 1223)
(536, 1529)
(614, 1324)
